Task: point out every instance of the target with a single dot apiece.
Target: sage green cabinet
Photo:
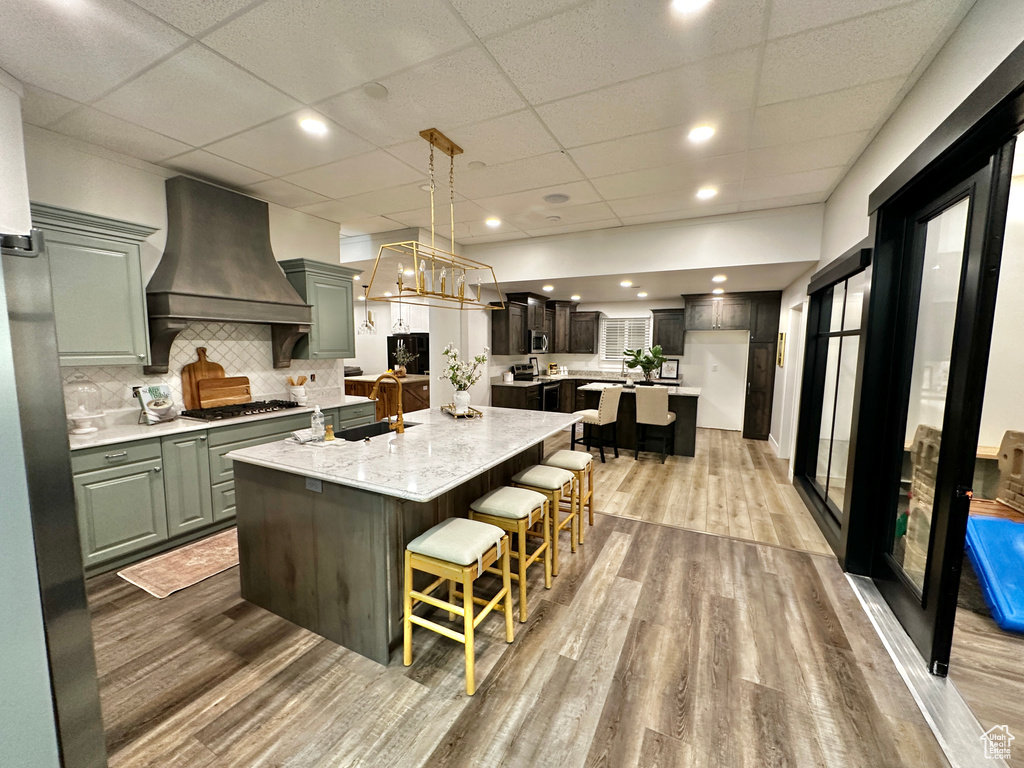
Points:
(187, 490)
(99, 298)
(120, 510)
(328, 289)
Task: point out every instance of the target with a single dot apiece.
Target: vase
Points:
(399, 371)
(461, 401)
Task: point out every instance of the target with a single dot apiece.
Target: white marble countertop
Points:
(123, 426)
(411, 378)
(672, 391)
(426, 461)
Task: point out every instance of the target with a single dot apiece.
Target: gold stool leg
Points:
(554, 506)
(407, 621)
(506, 580)
(574, 529)
(467, 597)
(545, 522)
(521, 533)
(590, 490)
(580, 528)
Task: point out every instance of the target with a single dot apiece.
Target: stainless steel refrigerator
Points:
(66, 623)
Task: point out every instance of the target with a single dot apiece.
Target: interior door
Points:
(945, 297)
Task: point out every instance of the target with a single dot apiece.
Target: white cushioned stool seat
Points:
(514, 503)
(574, 461)
(457, 540)
(540, 476)
(589, 415)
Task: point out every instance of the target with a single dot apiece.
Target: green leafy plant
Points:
(403, 356)
(461, 374)
(648, 363)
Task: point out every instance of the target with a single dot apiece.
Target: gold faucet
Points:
(399, 423)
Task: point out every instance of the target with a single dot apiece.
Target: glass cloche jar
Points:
(84, 404)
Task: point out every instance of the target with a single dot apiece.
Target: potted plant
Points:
(648, 363)
(402, 358)
(462, 375)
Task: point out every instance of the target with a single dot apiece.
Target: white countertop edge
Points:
(386, 490)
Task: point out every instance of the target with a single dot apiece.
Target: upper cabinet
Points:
(670, 330)
(99, 299)
(328, 289)
(559, 343)
(535, 309)
(730, 313)
(508, 329)
(583, 330)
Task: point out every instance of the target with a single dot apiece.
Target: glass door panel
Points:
(845, 390)
(944, 244)
(827, 410)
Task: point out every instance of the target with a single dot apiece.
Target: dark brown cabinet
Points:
(549, 326)
(525, 398)
(535, 309)
(700, 315)
(567, 396)
(717, 314)
(583, 329)
(563, 318)
(508, 330)
(670, 330)
(733, 314)
(757, 407)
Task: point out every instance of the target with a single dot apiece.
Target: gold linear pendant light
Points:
(425, 274)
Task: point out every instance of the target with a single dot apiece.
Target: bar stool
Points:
(582, 465)
(652, 411)
(606, 413)
(456, 550)
(554, 483)
(516, 510)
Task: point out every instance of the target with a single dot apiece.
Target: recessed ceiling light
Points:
(375, 91)
(706, 193)
(408, 273)
(387, 293)
(701, 133)
(555, 198)
(554, 219)
(688, 6)
(626, 283)
(476, 165)
(492, 222)
(548, 288)
(719, 279)
(314, 126)
(575, 297)
(718, 291)
(642, 295)
(361, 298)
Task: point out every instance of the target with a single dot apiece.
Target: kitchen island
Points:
(322, 529)
(681, 400)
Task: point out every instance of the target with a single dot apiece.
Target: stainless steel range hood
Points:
(218, 265)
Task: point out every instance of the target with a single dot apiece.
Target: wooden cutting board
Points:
(193, 373)
(232, 390)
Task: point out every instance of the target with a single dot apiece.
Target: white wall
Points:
(792, 321)
(28, 735)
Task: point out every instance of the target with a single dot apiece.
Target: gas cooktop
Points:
(241, 409)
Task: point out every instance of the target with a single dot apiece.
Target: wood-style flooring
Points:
(731, 487)
(657, 646)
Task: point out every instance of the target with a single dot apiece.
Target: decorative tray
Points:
(472, 413)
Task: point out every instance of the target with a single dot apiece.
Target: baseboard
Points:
(775, 445)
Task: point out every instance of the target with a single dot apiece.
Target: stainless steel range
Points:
(239, 409)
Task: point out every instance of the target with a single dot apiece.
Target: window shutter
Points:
(620, 333)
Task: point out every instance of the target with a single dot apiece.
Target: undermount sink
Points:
(355, 434)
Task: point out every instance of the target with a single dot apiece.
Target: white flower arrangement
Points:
(461, 374)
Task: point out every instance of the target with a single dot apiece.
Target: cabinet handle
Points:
(118, 455)
(142, 356)
(315, 354)
(202, 438)
(157, 469)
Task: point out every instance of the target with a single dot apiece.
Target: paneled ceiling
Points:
(590, 99)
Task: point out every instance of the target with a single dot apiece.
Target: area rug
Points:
(173, 571)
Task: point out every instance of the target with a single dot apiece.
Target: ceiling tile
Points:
(683, 177)
(41, 107)
(334, 210)
(206, 166)
(790, 16)
(831, 114)
(113, 133)
(465, 210)
(506, 206)
(559, 229)
(805, 156)
(665, 147)
(318, 49)
(477, 228)
(678, 202)
(196, 97)
(500, 140)
(81, 50)
(283, 193)
(281, 147)
(804, 183)
(442, 94)
(193, 16)
(490, 16)
(703, 92)
(479, 240)
(609, 41)
(854, 52)
(355, 175)
(531, 173)
(367, 226)
(566, 215)
(407, 197)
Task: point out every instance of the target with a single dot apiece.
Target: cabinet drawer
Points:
(356, 415)
(277, 425)
(221, 466)
(91, 459)
(223, 501)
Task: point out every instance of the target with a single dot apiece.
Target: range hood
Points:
(218, 265)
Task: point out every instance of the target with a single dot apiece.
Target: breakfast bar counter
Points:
(322, 528)
(681, 400)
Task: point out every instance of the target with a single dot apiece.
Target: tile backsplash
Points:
(243, 349)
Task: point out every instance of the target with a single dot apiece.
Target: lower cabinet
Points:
(121, 510)
(524, 398)
(223, 501)
(187, 482)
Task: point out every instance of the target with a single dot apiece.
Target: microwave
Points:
(538, 342)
